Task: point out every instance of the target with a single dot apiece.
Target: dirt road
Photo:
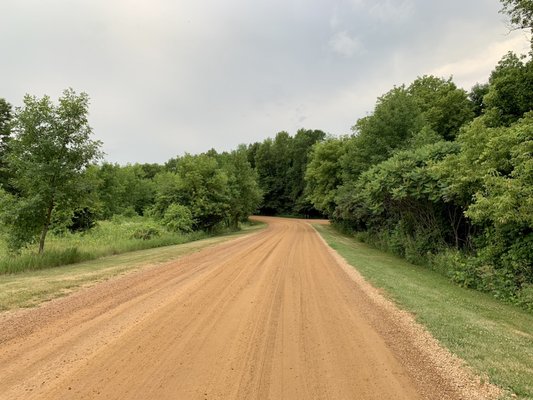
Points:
(267, 316)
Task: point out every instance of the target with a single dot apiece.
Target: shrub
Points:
(178, 218)
(525, 297)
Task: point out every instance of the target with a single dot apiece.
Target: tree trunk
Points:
(45, 227)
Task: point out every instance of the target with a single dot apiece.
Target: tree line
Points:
(52, 177)
(442, 177)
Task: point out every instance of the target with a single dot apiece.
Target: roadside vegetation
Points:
(443, 177)
(60, 204)
(115, 236)
(492, 337)
(32, 287)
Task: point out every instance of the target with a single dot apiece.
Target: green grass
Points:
(494, 338)
(30, 288)
(107, 238)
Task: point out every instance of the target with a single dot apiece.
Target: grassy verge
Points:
(117, 236)
(495, 339)
(30, 288)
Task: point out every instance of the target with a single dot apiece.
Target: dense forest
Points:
(436, 174)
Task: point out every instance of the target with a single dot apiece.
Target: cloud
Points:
(385, 11)
(391, 10)
(468, 71)
(166, 77)
(344, 44)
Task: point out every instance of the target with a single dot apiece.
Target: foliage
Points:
(178, 218)
(444, 106)
(476, 96)
(324, 174)
(121, 188)
(115, 236)
(510, 93)
(47, 156)
(272, 162)
(244, 194)
(520, 11)
(6, 114)
(300, 149)
(421, 177)
(396, 118)
(281, 166)
(403, 195)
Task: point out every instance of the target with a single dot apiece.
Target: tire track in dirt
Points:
(267, 316)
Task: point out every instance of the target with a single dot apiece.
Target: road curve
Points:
(266, 316)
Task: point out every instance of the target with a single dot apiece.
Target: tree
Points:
(301, 146)
(49, 152)
(510, 93)
(244, 195)
(123, 189)
(324, 174)
(197, 183)
(396, 118)
(444, 106)
(6, 114)
(178, 218)
(520, 12)
(272, 162)
(476, 96)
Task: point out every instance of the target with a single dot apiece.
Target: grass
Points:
(31, 288)
(494, 338)
(112, 237)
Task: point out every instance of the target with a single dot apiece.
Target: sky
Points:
(167, 77)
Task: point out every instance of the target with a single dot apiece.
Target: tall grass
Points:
(116, 236)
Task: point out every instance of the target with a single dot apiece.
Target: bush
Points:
(178, 218)
(525, 297)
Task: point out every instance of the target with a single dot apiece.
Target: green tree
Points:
(6, 114)
(301, 146)
(444, 106)
(49, 152)
(396, 118)
(510, 92)
(272, 162)
(324, 174)
(492, 178)
(244, 194)
(123, 189)
(197, 183)
(476, 96)
(178, 218)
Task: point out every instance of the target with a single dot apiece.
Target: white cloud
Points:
(476, 69)
(345, 45)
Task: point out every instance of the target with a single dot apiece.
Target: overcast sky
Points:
(172, 76)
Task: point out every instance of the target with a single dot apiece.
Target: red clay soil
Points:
(272, 315)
